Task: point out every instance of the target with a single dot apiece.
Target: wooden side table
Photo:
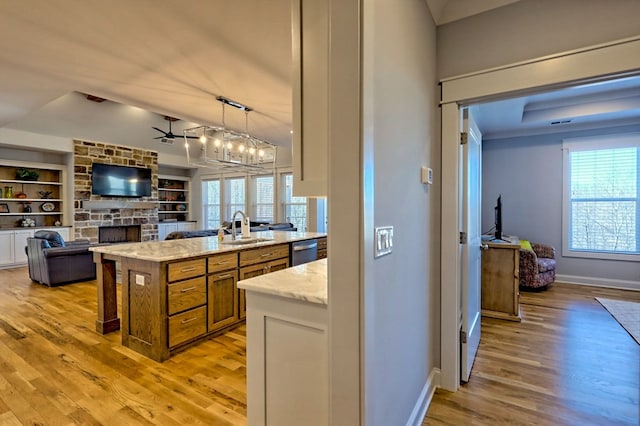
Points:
(500, 279)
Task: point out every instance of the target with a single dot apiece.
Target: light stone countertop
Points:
(306, 282)
(166, 250)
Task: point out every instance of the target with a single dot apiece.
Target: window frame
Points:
(253, 198)
(204, 183)
(594, 143)
(283, 201)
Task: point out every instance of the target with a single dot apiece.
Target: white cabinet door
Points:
(186, 226)
(166, 228)
(310, 19)
(6, 248)
(19, 243)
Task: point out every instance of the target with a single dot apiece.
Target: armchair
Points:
(53, 261)
(537, 266)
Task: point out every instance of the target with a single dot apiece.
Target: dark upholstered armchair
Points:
(53, 261)
(537, 266)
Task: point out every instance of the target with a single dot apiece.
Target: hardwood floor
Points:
(567, 363)
(56, 370)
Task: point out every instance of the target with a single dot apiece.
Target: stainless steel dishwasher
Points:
(304, 251)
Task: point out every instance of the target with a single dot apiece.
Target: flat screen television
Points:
(120, 181)
(498, 218)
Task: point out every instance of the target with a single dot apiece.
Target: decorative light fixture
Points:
(220, 148)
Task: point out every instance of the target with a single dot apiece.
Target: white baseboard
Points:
(599, 282)
(424, 400)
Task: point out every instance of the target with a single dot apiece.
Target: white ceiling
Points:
(174, 57)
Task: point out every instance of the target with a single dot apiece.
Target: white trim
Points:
(595, 63)
(425, 398)
(598, 282)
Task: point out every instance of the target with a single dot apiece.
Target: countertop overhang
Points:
(307, 282)
(168, 250)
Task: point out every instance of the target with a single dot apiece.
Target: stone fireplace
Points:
(91, 212)
(119, 234)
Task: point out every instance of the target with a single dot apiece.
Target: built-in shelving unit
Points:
(39, 197)
(173, 198)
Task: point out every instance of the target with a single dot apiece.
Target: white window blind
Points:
(235, 196)
(295, 208)
(603, 199)
(211, 203)
(263, 190)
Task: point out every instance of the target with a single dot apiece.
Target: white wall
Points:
(527, 171)
(530, 29)
(401, 300)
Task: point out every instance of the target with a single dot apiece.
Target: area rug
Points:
(626, 313)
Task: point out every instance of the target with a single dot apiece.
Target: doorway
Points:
(563, 70)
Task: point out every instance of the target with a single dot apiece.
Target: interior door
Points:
(470, 243)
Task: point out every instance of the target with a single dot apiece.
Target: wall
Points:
(530, 29)
(527, 171)
(86, 220)
(401, 300)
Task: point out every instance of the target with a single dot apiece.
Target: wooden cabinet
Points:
(173, 198)
(258, 262)
(222, 290)
(310, 38)
(500, 280)
(223, 299)
(31, 191)
(13, 242)
(322, 247)
(186, 300)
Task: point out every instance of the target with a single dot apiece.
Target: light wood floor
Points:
(567, 363)
(56, 370)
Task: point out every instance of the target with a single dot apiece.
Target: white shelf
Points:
(174, 212)
(172, 202)
(173, 190)
(30, 214)
(22, 200)
(37, 182)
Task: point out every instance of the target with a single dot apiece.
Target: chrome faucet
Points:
(233, 223)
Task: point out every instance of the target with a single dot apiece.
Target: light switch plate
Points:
(383, 241)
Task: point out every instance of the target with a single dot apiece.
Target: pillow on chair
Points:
(52, 237)
(526, 245)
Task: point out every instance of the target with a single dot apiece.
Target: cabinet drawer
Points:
(264, 254)
(187, 325)
(322, 243)
(322, 254)
(222, 262)
(187, 294)
(187, 269)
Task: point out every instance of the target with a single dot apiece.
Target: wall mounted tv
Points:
(120, 181)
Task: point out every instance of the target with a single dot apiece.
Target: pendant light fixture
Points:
(220, 148)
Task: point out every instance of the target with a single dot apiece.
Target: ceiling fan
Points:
(169, 137)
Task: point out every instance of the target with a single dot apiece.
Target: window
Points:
(602, 199)
(295, 208)
(262, 196)
(211, 203)
(234, 196)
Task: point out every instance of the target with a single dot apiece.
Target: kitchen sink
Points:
(245, 241)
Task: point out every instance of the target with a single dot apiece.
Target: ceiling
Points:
(151, 59)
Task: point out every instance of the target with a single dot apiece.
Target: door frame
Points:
(595, 63)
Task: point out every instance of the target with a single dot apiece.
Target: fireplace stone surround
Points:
(93, 211)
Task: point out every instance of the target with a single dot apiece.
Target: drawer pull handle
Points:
(224, 276)
(188, 320)
(184, 290)
(222, 263)
(266, 254)
(193, 268)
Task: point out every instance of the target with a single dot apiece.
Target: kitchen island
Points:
(177, 292)
(287, 346)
